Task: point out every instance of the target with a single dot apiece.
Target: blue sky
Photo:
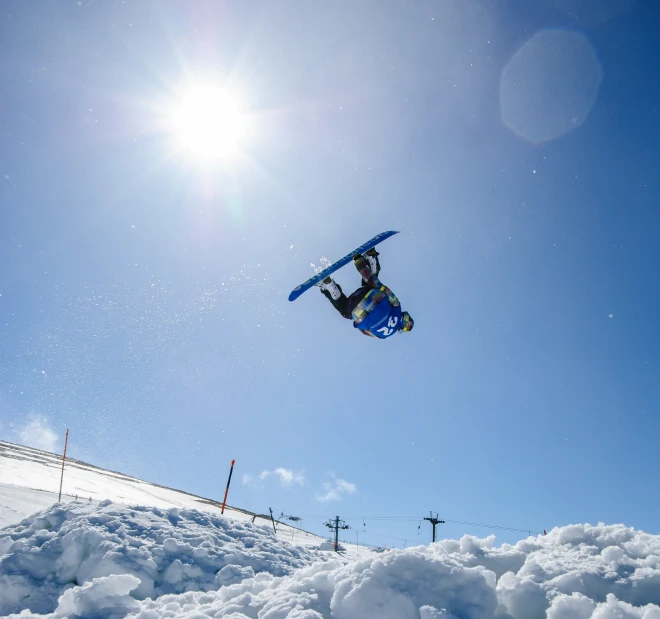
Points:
(144, 292)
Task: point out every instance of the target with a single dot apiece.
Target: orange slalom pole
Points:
(224, 501)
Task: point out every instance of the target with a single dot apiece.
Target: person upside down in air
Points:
(373, 307)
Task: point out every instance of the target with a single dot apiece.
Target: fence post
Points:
(66, 440)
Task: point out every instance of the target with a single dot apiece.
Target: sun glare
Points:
(208, 123)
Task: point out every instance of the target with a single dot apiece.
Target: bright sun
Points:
(208, 123)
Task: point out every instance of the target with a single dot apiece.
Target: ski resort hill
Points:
(30, 480)
(127, 548)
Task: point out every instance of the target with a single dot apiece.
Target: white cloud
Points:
(248, 480)
(37, 433)
(285, 477)
(335, 490)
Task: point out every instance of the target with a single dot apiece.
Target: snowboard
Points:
(312, 281)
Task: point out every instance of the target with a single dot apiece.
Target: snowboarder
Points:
(373, 307)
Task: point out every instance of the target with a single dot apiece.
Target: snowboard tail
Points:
(312, 281)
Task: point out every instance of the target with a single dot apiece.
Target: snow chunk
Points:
(109, 594)
(574, 606)
(396, 585)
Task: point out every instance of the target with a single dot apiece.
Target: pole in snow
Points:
(336, 524)
(434, 521)
(224, 501)
(66, 440)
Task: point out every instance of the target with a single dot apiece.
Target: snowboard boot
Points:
(330, 288)
(371, 256)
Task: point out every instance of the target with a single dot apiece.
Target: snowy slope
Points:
(39, 470)
(30, 481)
(109, 559)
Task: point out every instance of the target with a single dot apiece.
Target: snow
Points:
(30, 480)
(109, 559)
(40, 470)
(169, 551)
(18, 503)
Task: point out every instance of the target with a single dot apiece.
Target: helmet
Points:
(407, 323)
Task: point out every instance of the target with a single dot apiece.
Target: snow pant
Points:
(345, 305)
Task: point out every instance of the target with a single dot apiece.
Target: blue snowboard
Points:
(312, 281)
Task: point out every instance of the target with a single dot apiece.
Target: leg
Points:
(371, 255)
(340, 303)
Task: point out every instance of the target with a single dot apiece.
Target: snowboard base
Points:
(319, 277)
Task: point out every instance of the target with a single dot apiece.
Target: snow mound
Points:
(399, 584)
(164, 552)
(575, 572)
(147, 564)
